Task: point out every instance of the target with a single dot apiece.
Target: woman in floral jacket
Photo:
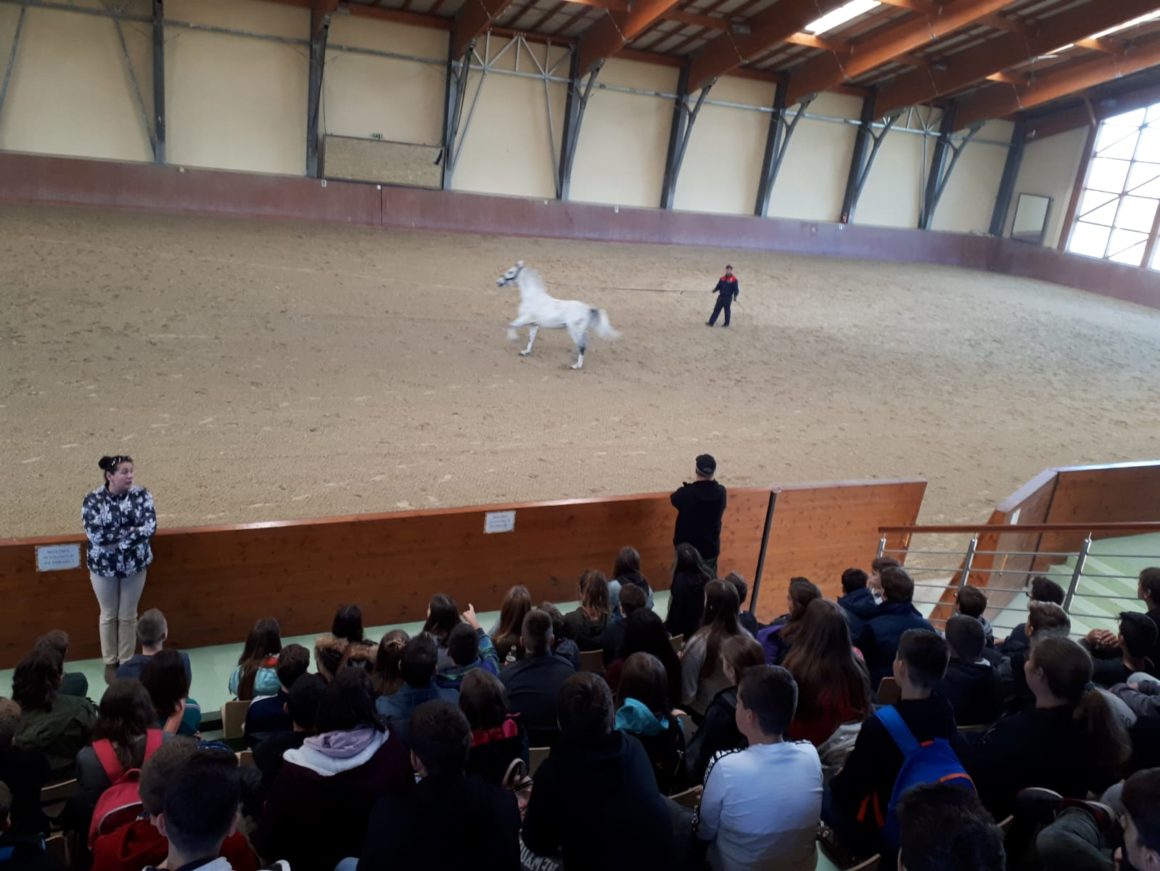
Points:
(119, 521)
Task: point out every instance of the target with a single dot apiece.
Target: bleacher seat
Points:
(592, 660)
(234, 719)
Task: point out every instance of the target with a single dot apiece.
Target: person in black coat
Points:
(971, 684)
(687, 594)
(879, 642)
(457, 817)
(700, 507)
(24, 771)
(533, 682)
(1041, 589)
(727, 290)
(596, 801)
(857, 601)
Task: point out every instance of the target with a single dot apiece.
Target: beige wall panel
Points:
(969, 198)
(634, 74)
(1049, 169)
(507, 149)
(70, 91)
(389, 36)
(723, 160)
(274, 19)
(400, 100)
(235, 103)
(892, 195)
(620, 157)
(812, 179)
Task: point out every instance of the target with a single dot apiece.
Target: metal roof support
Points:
(579, 90)
(159, 81)
(1007, 183)
(136, 87)
(456, 91)
(776, 145)
(11, 57)
(940, 168)
(861, 163)
(684, 117)
(319, 30)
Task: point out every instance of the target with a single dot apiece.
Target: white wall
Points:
(969, 199)
(892, 195)
(1049, 169)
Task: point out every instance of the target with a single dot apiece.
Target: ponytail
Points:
(1110, 740)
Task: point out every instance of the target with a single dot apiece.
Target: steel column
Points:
(453, 97)
(684, 118)
(11, 58)
(853, 186)
(579, 90)
(159, 81)
(1007, 183)
(774, 144)
(319, 30)
(939, 170)
(761, 553)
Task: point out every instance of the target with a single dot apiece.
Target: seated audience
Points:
(1041, 589)
(267, 715)
(1141, 819)
(718, 731)
(50, 724)
(778, 637)
(1069, 742)
(21, 851)
(1044, 620)
(72, 683)
(893, 617)
(461, 818)
(687, 593)
(418, 668)
(25, 772)
(1133, 647)
(348, 625)
(321, 799)
(626, 571)
(746, 618)
(470, 649)
(595, 799)
(152, 633)
(631, 600)
(857, 602)
(496, 736)
(972, 602)
(1148, 589)
(644, 710)
(139, 843)
(945, 828)
(833, 686)
(442, 617)
(345, 643)
(877, 567)
(505, 635)
(256, 674)
(201, 812)
(168, 686)
(645, 633)
(302, 708)
(861, 791)
(387, 677)
(562, 645)
(971, 684)
(741, 787)
(587, 624)
(534, 682)
(702, 669)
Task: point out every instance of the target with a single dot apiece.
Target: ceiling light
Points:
(1150, 16)
(840, 16)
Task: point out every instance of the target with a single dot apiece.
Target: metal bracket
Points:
(776, 144)
(7, 80)
(940, 168)
(1010, 174)
(136, 87)
(319, 31)
(456, 92)
(861, 163)
(577, 101)
(684, 117)
(159, 81)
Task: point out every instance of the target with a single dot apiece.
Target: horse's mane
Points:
(533, 279)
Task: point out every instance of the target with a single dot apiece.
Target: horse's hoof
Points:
(525, 353)
(577, 365)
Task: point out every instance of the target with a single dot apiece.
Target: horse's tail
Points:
(601, 324)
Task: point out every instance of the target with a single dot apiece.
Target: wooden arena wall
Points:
(213, 582)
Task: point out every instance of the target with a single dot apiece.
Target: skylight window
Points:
(1150, 16)
(840, 16)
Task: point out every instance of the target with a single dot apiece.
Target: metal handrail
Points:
(1135, 526)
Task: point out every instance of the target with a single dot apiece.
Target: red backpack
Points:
(121, 802)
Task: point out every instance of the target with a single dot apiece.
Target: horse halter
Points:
(512, 274)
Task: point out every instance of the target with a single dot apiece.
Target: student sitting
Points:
(302, 707)
(387, 676)
(1135, 642)
(534, 682)
(562, 645)
(442, 616)
(51, 724)
(1041, 589)
(168, 684)
(587, 625)
(1069, 742)
(152, 633)
(268, 715)
(741, 787)
(861, 790)
(645, 633)
(419, 659)
(892, 618)
(745, 617)
(877, 566)
(945, 828)
(24, 771)
(256, 672)
(626, 572)
(469, 649)
(462, 818)
(1044, 620)
(632, 599)
(702, 669)
(517, 602)
(497, 739)
(857, 601)
(645, 712)
(1148, 590)
(687, 592)
(72, 683)
(595, 798)
(22, 851)
(972, 602)
(971, 684)
(718, 731)
(778, 637)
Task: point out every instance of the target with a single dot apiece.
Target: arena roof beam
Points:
(1006, 50)
(473, 18)
(997, 101)
(729, 50)
(617, 29)
(829, 70)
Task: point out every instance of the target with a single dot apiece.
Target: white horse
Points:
(539, 309)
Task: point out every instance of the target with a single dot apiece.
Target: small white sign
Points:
(58, 557)
(499, 521)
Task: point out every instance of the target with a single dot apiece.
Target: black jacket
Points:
(974, 691)
(728, 286)
(25, 772)
(718, 732)
(858, 606)
(883, 632)
(532, 686)
(686, 604)
(700, 507)
(444, 822)
(599, 805)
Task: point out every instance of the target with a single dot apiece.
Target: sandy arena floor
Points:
(276, 370)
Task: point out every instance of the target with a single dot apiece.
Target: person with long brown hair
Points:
(833, 684)
(718, 730)
(687, 593)
(442, 616)
(124, 720)
(256, 674)
(505, 635)
(644, 710)
(1070, 742)
(626, 570)
(779, 636)
(702, 668)
(387, 677)
(587, 624)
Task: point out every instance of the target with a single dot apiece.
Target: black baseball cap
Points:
(706, 465)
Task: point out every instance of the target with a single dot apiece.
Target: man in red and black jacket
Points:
(727, 290)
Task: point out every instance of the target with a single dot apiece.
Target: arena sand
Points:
(270, 370)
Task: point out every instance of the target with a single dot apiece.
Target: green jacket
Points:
(60, 733)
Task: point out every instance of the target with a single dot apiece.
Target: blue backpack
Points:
(932, 761)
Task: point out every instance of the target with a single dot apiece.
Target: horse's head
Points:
(509, 278)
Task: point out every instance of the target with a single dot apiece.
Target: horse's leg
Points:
(579, 336)
(531, 340)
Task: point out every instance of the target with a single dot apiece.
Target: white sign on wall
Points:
(499, 521)
(58, 557)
